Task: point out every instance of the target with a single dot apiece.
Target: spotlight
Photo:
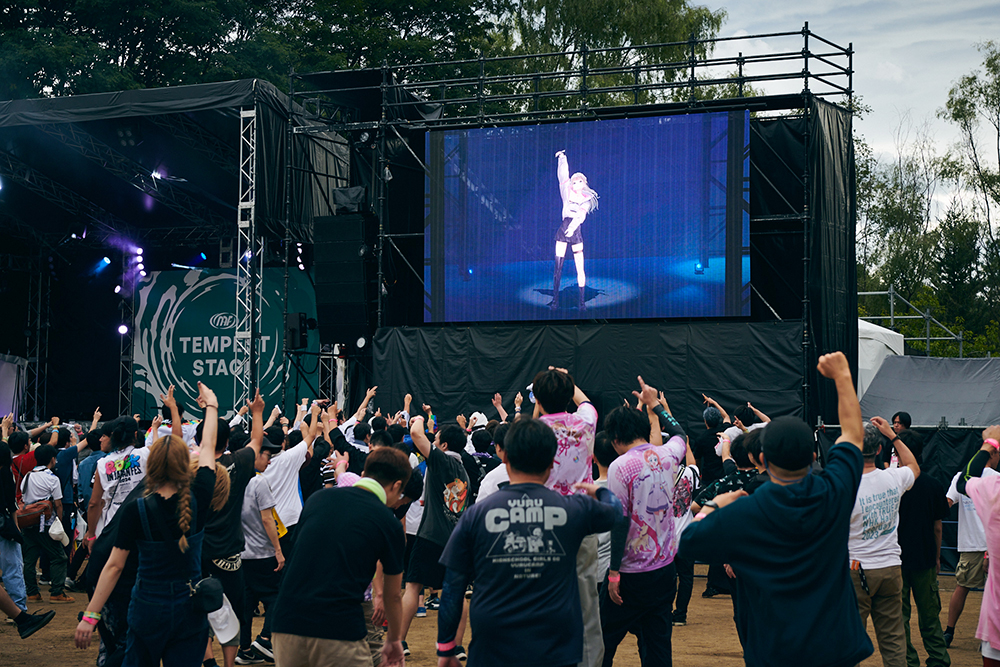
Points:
(118, 289)
(204, 256)
(141, 267)
(361, 342)
(302, 267)
(138, 251)
(106, 261)
(470, 272)
(142, 273)
(156, 175)
(365, 136)
(699, 269)
(248, 255)
(122, 329)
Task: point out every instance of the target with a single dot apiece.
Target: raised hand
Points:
(168, 400)
(257, 404)
(646, 394)
(497, 401)
(206, 397)
(834, 365)
(97, 414)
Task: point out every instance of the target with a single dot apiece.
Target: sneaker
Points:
(460, 652)
(433, 603)
(949, 637)
(679, 619)
(70, 585)
(249, 657)
(34, 623)
(421, 612)
(712, 591)
(263, 647)
(406, 649)
(62, 598)
(35, 598)
(44, 582)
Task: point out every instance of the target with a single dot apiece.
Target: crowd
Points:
(550, 539)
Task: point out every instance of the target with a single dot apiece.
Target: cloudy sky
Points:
(907, 54)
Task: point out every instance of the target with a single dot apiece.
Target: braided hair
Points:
(169, 462)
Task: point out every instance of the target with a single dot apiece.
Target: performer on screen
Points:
(578, 200)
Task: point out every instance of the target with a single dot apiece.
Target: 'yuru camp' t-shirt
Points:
(446, 495)
(519, 545)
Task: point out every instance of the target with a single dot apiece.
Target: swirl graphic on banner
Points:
(184, 333)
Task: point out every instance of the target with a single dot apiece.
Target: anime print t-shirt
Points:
(574, 460)
(643, 479)
(446, 495)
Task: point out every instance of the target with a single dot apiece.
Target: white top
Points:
(971, 536)
(734, 431)
(41, 484)
(688, 479)
(875, 517)
(415, 512)
(282, 476)
(188, 431)
(492, 481)
(119, 472)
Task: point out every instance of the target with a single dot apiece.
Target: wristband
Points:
(700, 515)
(615, 578)
(88, 619)
(710, 503)
(517, 409)
(993, 442)
(446, 649)
(91, 539)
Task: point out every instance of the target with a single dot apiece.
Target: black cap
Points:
(788, 443)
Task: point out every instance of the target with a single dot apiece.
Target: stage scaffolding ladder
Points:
(37, 332)
(925, 315)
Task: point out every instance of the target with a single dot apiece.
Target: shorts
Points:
(561, 237)
(971, 569)
(411, 539)
(424, 567)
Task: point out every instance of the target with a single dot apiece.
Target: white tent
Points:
(875, 343)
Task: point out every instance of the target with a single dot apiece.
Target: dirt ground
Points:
(709, 638)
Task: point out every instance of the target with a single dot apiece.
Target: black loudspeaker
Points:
(295, 331)
(344, 275)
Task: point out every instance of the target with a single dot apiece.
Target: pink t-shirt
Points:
(985, 494)
(643, 480)
(574, 460)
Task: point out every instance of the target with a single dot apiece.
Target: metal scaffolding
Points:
(249, 265)
(34, 399)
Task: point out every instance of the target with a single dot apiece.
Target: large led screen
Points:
(632, 218)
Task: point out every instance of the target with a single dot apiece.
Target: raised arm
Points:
(715, 404)
(562, 168)
(210, 404)
(175, 415)
(257, 428)
(97, 418)
(978, 463)
(498, 404)
(760, 415)
(835, 367)
(419, 437)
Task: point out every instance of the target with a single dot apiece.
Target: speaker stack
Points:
(344, 272)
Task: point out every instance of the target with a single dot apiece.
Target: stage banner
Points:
(184, 329)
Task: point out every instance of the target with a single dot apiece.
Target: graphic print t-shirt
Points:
(119, 473)
(574, 460)
(643, 479)
(971, 536)
(520, 545)
(446, 494)
(875, 516)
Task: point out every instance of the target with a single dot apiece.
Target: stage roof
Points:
(89, 161)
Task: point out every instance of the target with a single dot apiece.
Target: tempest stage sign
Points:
(184, 330)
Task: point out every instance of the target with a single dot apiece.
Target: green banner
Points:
(185, 323)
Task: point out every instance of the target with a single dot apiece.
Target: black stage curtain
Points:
(457, 370)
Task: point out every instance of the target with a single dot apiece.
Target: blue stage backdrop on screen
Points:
(633, 218)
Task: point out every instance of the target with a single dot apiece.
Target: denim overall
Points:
(162, 624)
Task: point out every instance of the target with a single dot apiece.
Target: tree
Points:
(956, 277)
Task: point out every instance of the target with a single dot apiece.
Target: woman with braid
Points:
(165, 527)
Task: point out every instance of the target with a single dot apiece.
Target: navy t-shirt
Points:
(788, 548)
(519, 545)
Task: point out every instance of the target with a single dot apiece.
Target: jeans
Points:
(36, 543)
(13, 572)
(162, 625)
(884, 603)
(924, 585)
(643, 613)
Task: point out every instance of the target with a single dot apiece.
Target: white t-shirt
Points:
(282, 476)
(188, 430)
(734, 431)
(415, 512)
(690, 478)
(119, 472)
(875, 517)
(971, 536)
(492, 481)
(41, 484)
